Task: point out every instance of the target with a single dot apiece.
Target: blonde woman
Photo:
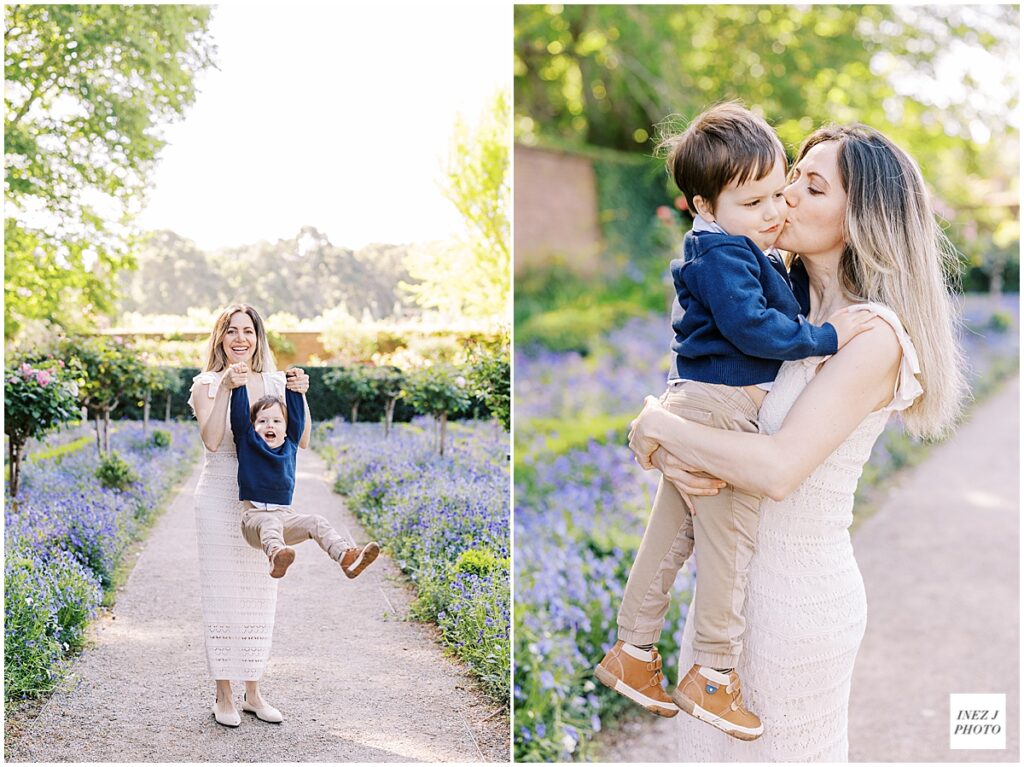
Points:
(238, 595)
(864, 236)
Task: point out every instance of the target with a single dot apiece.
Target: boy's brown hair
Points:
(267, 402)
(723, 144)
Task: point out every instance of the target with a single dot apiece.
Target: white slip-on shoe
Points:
(267, 713)
(229, 718)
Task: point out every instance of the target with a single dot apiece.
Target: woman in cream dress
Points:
(860, 221)
(238, 595)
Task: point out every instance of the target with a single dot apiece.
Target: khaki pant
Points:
(276, 528)
(723, 533)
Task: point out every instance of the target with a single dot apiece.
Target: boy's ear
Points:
(705, 210)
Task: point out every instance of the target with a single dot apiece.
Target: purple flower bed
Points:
(580, 515)
(443, 520)
(65, 536)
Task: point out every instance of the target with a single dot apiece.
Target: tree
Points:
(388, 382)
(36, 400)
(86, 88)
(354, 383)
(437, 390)
(108, 374)
(471, 276)
(490, 377)
(159, 381)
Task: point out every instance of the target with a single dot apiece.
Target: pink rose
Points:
(25, 370)
(664, 213)
(43, 377)
(681, 203)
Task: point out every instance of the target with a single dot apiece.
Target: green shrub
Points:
(1000, 321)
(478, 562)
(115, 473)
(160, 438)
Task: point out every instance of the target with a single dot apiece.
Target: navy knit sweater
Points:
(740, 316)
(266, 474)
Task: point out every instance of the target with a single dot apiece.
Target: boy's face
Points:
(270, 425)
(755, 209)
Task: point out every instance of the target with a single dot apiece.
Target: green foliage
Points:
(472, 277)
(160, 438)
(490, 376)
(610, 75)
(355, 383)
(110, 372)
(36, 400)
(436, 390)
(1000, 321)
(115, 473)
(479, 562)
(47, 608)
(86, 88)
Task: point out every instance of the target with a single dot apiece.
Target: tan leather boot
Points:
(354, 561)
(636, 674)
(715, 698)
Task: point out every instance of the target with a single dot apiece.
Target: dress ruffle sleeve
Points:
(209, 377)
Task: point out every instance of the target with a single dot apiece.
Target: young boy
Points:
(739, 320)
(267, 439)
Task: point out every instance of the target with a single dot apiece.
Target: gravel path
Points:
(941, 565)
(355, 682)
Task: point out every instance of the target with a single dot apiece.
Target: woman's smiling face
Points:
(817, 203)
(239, 342)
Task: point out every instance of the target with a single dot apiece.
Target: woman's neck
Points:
(827, 294)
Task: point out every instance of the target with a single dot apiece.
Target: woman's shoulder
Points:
(889, 347)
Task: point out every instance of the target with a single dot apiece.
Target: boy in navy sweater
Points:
(267, 440)
(737, 319)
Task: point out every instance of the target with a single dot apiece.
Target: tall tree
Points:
(472, 275)
(86, 89)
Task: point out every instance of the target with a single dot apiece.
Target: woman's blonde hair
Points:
(897, 255)
(262, 358)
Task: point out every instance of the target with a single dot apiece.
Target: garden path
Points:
(355, 681)
(940, 560)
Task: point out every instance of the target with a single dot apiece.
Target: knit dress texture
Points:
(805, 607)
(238, 595)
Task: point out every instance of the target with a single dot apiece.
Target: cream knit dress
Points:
(806, 608)
(238, 595)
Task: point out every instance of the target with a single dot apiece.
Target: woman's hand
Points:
(237, 375)
(640, 442)
(682, 476)
(296, 380)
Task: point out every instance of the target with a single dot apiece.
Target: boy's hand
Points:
(849, 323)
(238, 375)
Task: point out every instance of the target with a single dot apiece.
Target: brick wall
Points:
(555, 210)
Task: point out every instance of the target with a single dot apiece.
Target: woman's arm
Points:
(852, 384)
(212, 414)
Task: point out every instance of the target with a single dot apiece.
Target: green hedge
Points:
(324, 404)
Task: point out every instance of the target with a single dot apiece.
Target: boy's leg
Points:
(725, 527)
(667, 543)
(303, 527)
(262, 530)
(632, 666)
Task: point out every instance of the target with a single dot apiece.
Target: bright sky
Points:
(330, 116)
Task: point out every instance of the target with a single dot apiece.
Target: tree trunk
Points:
(444, 427)
(145, 412)
(106, 431)
(995, 281)
(389, 414)
(167, 412)
(355, 412)
(15, 452)
(99, 436)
